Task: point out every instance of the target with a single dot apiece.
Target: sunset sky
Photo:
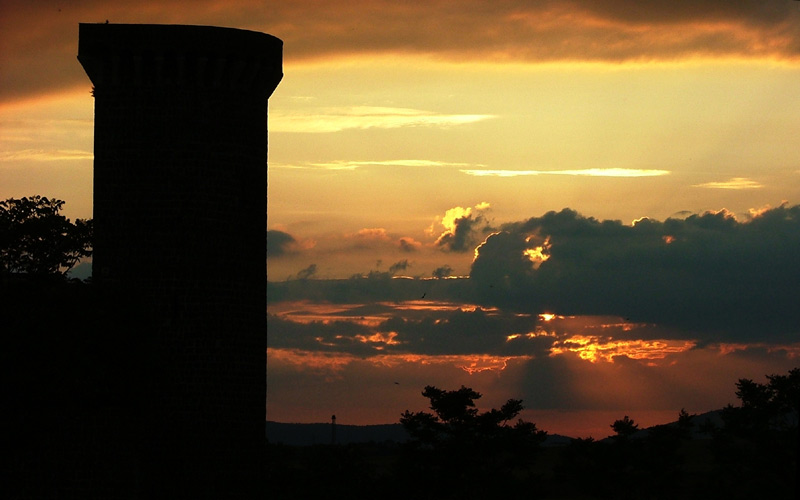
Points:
(611, 187)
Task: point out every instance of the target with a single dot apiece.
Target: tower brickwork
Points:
(180, 183)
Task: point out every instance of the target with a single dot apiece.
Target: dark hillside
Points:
(311, 434)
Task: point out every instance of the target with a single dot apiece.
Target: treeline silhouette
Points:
(456, 452)
(74, 369)
(81, 373)
(36, 240)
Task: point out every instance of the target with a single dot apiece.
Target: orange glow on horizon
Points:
(503, 62)
(379, 338)
(306, 311)
(307, 360)
(530, 335)
(478, 364)
(594, 349)
(335, 362)
(791, 350)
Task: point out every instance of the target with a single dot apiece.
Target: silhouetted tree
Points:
(456, 417)
(36, 239)
(625, 427)
(760, 438)
(685, 422)
(459, 449)
(765, 407)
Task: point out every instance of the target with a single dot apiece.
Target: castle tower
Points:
(180, 187)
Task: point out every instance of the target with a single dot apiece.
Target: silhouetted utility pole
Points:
(333, 429)
(180, 201)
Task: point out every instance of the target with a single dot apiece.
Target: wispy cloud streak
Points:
(353, 165)
(45, 155)
(587, 172)
(327, 120)
(734, 183)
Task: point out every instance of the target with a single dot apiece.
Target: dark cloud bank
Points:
(709, 277)
(279, 243)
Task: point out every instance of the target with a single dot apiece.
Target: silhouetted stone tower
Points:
(180, 188)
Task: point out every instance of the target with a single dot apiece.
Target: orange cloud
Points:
(544, 31)
(332, 363)
(594, 349)
(759, 212)
(39, 38)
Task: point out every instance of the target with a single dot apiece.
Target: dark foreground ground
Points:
(656, 467)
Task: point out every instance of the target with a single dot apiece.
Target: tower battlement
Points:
(175, 56)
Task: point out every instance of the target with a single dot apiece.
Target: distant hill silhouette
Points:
(696, 431)
(312, 434)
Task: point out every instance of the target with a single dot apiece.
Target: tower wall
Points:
(180, 183)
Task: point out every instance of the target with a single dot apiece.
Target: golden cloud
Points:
(353, 165)
(327, 120)
(594, 349)
(734, 183)
(46, 155)
(586, 172)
